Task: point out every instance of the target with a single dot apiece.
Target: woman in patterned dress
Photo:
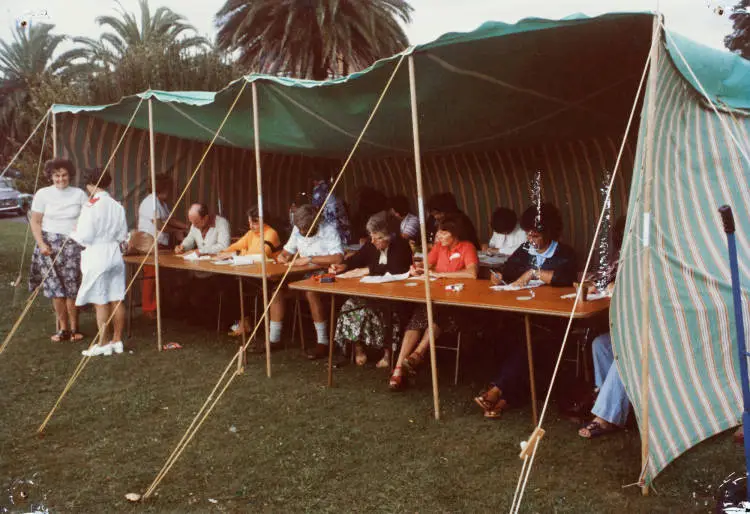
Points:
(362, 322)
(56, 261)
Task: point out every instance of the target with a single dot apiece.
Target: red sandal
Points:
(397, 380)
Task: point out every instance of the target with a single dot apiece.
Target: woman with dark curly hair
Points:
(542, 258)
(56, 262)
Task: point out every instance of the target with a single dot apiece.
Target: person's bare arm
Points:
(321, 260)
(36, 230)
(471, 272)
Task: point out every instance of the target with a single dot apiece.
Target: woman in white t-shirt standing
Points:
(56, 262)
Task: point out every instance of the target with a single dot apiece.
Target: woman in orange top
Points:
(450, 257)
(251, 242)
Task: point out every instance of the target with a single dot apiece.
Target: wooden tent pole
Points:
(648, 174)
(423, 232)
(54, 135)
(259, 185)
(152, 163)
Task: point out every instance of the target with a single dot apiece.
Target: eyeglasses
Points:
(378, 238)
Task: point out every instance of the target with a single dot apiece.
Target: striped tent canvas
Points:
(672, 320)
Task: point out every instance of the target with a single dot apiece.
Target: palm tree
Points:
(311, 38)
(164, 29)
(24, 61)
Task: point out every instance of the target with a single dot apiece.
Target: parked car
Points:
(13, 201)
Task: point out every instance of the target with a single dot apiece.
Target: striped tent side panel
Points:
(693, 379)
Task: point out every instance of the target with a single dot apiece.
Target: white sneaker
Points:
(98, 350)
(117, 347)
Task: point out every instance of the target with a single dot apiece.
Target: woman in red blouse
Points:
(450, 257)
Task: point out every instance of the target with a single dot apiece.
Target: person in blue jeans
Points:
(612, 405)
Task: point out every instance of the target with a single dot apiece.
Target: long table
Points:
(274, 272)
(545, 301)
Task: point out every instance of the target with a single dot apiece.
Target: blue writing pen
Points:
(494, 274)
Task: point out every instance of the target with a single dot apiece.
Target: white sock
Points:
(275, 330)
(322, 329)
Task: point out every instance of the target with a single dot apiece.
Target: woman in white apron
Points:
(101, 229)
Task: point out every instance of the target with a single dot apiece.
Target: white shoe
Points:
(117, 347)
(98, 350)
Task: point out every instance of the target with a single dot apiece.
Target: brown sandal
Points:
(482, 401)
(60, 335)
(412, 362)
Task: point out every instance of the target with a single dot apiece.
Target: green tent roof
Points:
(500, 84)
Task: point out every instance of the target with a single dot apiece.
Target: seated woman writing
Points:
(452, 256)
(543, 258)
(251, 242)
(362, 322)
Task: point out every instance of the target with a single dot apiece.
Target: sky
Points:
(696, 19)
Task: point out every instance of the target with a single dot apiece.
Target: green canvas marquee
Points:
(496, 106)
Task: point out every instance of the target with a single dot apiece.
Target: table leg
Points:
(243, 358)
(330, 341)
(532, 381)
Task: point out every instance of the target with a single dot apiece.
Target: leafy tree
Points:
(24, 62)
(164, 28)
(739, 40)
(311, 38)
(151, 66)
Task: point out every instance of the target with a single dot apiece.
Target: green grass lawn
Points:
(288, 443)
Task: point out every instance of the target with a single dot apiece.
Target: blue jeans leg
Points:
(612, 404)
(601, 350)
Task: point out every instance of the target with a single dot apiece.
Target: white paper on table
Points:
(371, 279)
(244, 260)
(510, 287)
(355, 273)
(192, 256)
(589, 297)
(223, 262)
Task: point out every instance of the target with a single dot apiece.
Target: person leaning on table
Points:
(543, 257)
(322, 247)
(450, 257)
(362, 322)
(57, 268)
(251, 243)
(209, 233)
